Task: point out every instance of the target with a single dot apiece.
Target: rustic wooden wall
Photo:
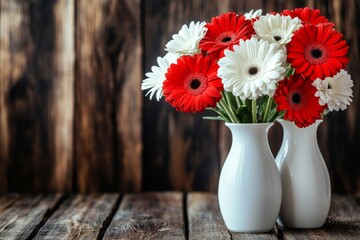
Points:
(73, 117)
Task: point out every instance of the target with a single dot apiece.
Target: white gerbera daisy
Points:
(252, 69)
(187, 41)
(335, 91)
(253, 14)
(156, 77)
(277, 28)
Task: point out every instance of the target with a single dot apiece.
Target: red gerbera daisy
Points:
(308, 16)
(296, 96)
(224, 32)
(192, 84)
(317, 51)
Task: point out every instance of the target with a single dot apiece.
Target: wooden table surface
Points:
(162, 215)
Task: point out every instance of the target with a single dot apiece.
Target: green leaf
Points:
(245, 115)
(289, 72)
(217, 118)
(222, 114)
(248, 104)
(275, 115)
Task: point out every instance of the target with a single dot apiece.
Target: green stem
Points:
(239, 103)
(253, 111)
(267, 110)
(224, 107)
(229, 105)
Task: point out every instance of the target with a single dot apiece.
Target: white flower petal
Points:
(155, 79)
(186, 42)
(335, 91)
(276, 28)
(273, 74)
(252, 69)
(253, 14)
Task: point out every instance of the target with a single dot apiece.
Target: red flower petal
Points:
(296, 96)
(308, 16)
(318, 48)
(224, 32)
(192, 84)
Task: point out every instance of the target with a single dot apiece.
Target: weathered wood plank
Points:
(205, 221)
(149, 216)
(258, 236)
(343, 222)
(108, 95)
(36, 95)
(94, 126)
(7, 200)
(19, 220)
(181, 151)
(12, 66)
(62, 99)
(254, 4)
(4, 82)
(129, 99)
(343, 128)
(79, 217)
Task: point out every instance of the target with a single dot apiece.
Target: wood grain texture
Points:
(36, 95)
(94, 87)
(344, 129)
(124, 38)
(148, 216)
(176, 156)
(205, 221)
(62, 96)
(79, 217)
(7, 200)
(260, 236)
(12, 66)
(108, 96)
(181, 151)
(6, 29)
(20, 219)
(73, 117)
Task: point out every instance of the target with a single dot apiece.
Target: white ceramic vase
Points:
(305, 179)
(249, 185)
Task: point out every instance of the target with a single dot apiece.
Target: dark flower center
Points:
(195, 84)
(277, 38)
(253, 70)
(226, 39)
(316, 53)
(296, 98)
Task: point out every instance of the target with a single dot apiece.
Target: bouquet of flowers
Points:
(256, 68)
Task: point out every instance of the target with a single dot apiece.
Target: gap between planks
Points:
(149, 215)
(43, 216)
(108, 220)
(154, 215)
(46, 216)
(81, 216)
(21, 216)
